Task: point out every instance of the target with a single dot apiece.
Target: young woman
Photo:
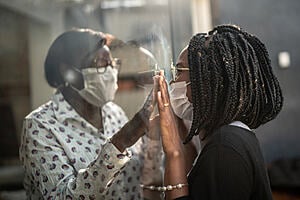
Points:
(224, 83)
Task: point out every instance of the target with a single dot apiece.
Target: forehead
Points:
(182, 60)
(101, 54)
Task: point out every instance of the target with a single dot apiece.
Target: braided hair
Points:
(231, 80)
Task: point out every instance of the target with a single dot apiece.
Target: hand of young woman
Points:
(175, 167)
(168, 124)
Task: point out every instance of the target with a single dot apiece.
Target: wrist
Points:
(118, 142)
(143, 117)
(129, 133)
(174, 154)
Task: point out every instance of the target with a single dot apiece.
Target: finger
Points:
(166, 86)
(160, 102)
(164, 92)
(165, 83)
(152, 98)
(161, 72)
(155, 88)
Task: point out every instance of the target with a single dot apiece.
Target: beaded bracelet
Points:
(164, 188)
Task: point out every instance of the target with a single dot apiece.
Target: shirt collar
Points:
(240, 124)
(62, 109)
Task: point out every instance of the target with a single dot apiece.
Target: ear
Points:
(71, 76)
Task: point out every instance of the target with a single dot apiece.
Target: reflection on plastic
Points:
(146, 77)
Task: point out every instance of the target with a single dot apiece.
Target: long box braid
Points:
(231, 80)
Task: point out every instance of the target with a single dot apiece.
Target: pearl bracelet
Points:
(164, 188)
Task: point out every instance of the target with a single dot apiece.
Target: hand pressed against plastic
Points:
(171, 141)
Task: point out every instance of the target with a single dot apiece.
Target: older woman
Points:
(75, 146)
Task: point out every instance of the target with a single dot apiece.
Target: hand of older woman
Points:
(136, 127)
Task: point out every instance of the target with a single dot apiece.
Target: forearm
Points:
(130, 132)
(175, 174)
(175, 167)
(135, 128)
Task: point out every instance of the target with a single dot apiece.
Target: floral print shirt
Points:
(65, 157)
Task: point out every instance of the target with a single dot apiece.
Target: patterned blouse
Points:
(65, 157)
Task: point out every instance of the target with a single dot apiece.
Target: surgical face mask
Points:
(99, 88)
(182, 107)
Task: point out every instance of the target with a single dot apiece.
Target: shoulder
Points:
(42, 112)
(111, 106)
(233, 140)
(227, 164)
(228, 145)
(114, 109)
(40, 120)
(233, 137)
(222, 167)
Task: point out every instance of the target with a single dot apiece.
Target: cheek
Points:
(79, 84)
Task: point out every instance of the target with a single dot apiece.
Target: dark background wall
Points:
(277, 24)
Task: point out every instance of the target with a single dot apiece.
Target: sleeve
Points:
(149, 152)
(221, 173)
(52, 172)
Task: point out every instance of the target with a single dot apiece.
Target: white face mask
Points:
(99, 88)
(181, 105)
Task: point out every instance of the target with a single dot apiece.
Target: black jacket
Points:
(230, 167)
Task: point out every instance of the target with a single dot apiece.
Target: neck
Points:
(89, 112)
